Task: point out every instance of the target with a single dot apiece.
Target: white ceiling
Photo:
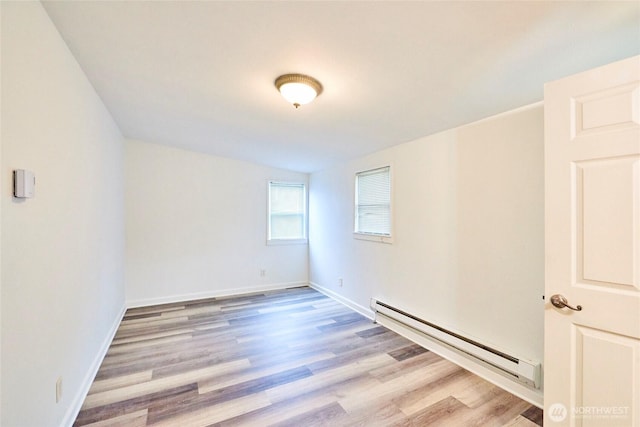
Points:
(199, 75)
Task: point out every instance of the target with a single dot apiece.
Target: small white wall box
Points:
(24, 183)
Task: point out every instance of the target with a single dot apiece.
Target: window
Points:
(373, 203)
(287, 212)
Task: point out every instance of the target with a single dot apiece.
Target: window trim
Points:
(305, 204)
(374, 237)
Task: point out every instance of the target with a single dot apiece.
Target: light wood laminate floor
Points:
(284, 358)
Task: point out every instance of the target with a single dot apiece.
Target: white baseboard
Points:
(366, 312)
(85, 385)
(485, 371)
(143, 302)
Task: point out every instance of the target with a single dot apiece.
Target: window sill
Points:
(373, 238)
(280, 242)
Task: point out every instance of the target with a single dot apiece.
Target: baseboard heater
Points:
(524, 370)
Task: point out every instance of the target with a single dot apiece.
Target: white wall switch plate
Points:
(24, 183)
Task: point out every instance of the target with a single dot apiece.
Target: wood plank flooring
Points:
(284, 358)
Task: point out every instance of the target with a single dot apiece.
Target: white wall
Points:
(196, 227)
(62, 266)
(468, 231)
(1, 183)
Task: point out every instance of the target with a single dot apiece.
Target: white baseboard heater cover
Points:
(524, 370)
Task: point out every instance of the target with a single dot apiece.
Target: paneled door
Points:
(592, 247)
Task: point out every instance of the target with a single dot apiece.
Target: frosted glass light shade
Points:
(298, 89)
(298, 93)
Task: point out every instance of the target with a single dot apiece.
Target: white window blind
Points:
(373, 202)
(287, 211)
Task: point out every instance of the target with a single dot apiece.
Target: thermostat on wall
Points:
(24, 183)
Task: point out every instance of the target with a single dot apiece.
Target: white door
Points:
(592, 247)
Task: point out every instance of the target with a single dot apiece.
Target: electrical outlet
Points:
(340, 281)
(263, 273)
(59, 390)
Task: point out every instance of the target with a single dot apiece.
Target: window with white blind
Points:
(373, 203)
(287, 212)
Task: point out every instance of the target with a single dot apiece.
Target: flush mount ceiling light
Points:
(298, 89)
